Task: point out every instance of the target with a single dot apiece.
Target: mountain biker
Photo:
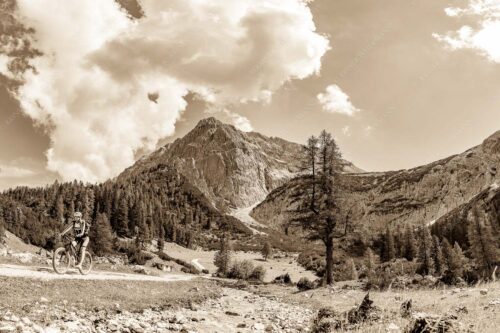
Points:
(81, 232)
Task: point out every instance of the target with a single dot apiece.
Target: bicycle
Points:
(68, 255)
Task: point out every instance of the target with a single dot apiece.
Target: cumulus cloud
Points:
(334, 100)
(483, 38)
(108, 85)
(240, 122)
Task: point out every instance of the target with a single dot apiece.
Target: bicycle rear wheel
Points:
(86, 266)
(60, 261)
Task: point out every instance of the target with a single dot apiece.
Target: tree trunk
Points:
(329, 261)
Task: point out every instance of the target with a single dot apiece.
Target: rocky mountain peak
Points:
(234, 169)
(209, 122)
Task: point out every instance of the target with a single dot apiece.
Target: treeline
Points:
(437, 256)
(156, 204)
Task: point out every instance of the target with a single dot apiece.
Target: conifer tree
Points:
(222, 259)
(389, 250)
(437, 256)
(464, 261)
(101, 235)
(452, 260)
(59, 208)
(483, 244)
(352, 269)
(425, 252)
(122, 218)
(320, 211)
(161, 239)
(2, 226)
(267, 250)
(370, 264)
(411, 249)
(399, 243)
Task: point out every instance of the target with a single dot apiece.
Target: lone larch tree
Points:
(319, 210)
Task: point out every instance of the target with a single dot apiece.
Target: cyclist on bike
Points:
(81, 232)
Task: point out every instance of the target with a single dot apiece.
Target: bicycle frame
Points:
(72, 249)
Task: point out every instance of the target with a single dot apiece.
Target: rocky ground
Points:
(234, 311)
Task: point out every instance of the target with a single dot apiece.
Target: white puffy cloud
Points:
(334, 100)
(485, 37)
(240, 122)
(108, 86)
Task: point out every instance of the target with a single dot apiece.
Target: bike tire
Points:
(86, 266)
(60, 255)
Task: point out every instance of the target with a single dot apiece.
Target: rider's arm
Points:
(66, 230)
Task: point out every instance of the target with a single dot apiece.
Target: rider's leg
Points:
(85, 242)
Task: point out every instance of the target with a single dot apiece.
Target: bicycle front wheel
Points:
(60, 261)
(86, 266)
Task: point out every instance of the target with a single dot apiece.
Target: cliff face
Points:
(418, 195)
(232, 168)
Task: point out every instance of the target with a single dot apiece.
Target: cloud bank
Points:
(485, 37)
(334, 100)
(108, 85)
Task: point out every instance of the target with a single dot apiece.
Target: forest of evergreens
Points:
(158, 203)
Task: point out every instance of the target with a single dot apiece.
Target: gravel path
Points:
(46, 273)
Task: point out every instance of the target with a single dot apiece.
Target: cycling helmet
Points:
(77, 215)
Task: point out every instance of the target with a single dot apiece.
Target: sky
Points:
(399, 83)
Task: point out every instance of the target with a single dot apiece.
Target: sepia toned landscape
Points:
(249, 166)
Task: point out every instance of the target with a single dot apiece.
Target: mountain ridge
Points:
(234, 169)
(417, 195)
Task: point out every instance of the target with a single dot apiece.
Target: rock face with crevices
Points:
(232, 168)
(416, 196)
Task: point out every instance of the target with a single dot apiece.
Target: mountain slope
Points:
(418, 195)
(232, 168)
(453, 225)
(156, 201)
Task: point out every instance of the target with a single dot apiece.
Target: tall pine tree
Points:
(483, 244)
(389, 248)
(437, 256)
(425, 252)
(101, 235)
(452, 260)
(411, 249)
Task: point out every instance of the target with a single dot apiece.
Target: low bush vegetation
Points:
(283, 279)
(246, 270)
(305, 284)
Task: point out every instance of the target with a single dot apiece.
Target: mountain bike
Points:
(68, 256)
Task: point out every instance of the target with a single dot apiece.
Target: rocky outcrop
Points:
(233, 169)
(417, 196)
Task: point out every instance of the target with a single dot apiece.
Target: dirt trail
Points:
(46, 273)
